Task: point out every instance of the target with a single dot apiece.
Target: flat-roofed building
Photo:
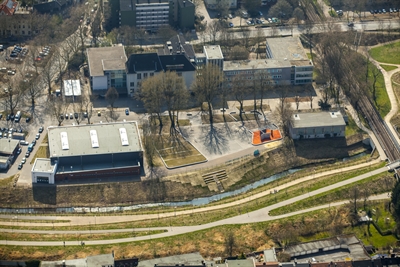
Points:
(72, 89)
(107, 68)
(104, 150)
(8, 152)
(317, 125)
(286, 63)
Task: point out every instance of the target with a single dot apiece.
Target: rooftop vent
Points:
(64, 141)
(93, 138)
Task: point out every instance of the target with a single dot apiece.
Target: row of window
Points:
(252, 71)
(304, 69)
(321, 130)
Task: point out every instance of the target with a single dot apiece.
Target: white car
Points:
(260, 13)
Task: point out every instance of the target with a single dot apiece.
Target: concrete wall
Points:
(99, 82)
(35, 176)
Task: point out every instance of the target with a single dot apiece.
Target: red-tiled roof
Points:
(8, 7)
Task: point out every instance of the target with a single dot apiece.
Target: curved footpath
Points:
(87, 220)
(260, 215)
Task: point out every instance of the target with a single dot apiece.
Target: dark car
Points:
(76, 115)
(8, 117)
(19, 151)
(27, 154)
(1, 116)
(12, 117)
(350, 24)
(126, 111)
(34, 142)
(371, 11)
(62, 117)
(41, 129)
(19, 166)
(28, 119)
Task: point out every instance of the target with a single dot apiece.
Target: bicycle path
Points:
(260, 215)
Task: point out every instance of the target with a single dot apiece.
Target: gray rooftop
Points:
(106, 58)
(334, 249)
(91, 261)
(255, 64)
(7, 146)
(240, 263)
(102, 138)
(270, 255)
(126, 5)
(289, 48)
(43, 165)
(191, 258)
(213, 52)
(317, 119)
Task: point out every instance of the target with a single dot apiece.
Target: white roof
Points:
(72, 88)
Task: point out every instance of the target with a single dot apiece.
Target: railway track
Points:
(379, 127)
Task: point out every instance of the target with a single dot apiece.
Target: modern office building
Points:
(286, 63)
(317, 125)
(107, 68)
(212, 54)
(94, 151)
(152, 14)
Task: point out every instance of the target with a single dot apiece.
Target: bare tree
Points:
(150, 94)
(260, 37)
(57, 107)
(112, 96)
(230, 243)
(239, 91)
(213, 29)
(284, 111)
(47, 75)
(207, 86)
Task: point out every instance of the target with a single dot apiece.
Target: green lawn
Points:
(42, 152)
(382, 98)
(388, 67)
(176, 151)
(351, 127)
(389, 53)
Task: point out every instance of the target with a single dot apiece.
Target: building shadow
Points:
(45, 194)
(323, 148)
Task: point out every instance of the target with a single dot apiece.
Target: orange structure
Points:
(265, 135)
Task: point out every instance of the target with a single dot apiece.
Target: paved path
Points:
(250, 217)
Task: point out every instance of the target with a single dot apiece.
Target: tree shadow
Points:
(214, 141)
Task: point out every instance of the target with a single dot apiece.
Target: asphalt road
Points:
(260, 215)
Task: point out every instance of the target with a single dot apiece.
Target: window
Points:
(132, 84)
(151, 74)
(139, 76)
(144, 75)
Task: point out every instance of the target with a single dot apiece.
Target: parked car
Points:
(23, 160)
(384, 11)
(66, 116)
(27, 154)
(19, 151)
(350, 24)
(85, 114)
(19, 166)
(260, 13)
(76, 115)
(41, 129)
(99, 113)
(127, 112)
(231, 25)
(37, 136)
(71, 116)
(33, 142)
(8, 117)
(28, 119)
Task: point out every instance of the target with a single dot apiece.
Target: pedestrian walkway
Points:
(260, 215)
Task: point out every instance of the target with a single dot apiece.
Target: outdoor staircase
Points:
(216, 177)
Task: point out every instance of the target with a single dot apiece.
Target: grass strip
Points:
(72, 237)
(214, 215)
(374, 183)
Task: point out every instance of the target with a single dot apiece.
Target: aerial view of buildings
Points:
(242, 133)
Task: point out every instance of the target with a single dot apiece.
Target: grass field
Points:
(375, 183)
(389, 53)
(42, 152)
(351, 127)
(176, 151)
(388, 67)
(382, 98)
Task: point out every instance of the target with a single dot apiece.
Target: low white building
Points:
(43, 171)
(72, 88)
(317, 125)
